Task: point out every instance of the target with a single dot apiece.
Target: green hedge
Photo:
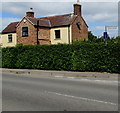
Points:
(81, 56)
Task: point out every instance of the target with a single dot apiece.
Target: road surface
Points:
(31, 93)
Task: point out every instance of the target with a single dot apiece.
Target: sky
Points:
(96, 13)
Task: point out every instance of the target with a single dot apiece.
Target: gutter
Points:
(69, 34)
(37, 31)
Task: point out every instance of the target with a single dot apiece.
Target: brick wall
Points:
(44, 36)
(44, 33)
(31, 39)
(79, 34)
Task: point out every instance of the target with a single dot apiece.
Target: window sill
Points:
(25, 36)
(57, 39)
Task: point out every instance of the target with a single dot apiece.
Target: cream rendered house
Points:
(64, 29)
(0, 41)
(65, 32)
(9, 36)
(9, 40)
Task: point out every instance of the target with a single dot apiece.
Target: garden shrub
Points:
(79, 56)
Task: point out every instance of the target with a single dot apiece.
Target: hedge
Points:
(81, 56)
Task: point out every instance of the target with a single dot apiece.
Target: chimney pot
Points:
(30, 13)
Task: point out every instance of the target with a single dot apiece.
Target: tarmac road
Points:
(31, 93)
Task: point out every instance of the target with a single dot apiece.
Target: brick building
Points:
(65, 28)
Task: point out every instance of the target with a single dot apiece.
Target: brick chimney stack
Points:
(77, 8)
(30, 13)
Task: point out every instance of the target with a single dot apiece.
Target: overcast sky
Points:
(96, 14)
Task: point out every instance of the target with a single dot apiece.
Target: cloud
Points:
(60, 0)
(98, 31)
(40, 8)
(102, 18)
(95, 13)
(7, 21)
(105, 13)
(97, 28)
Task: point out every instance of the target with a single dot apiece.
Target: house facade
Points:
(65, 28)
(9, 36)
(0, 40)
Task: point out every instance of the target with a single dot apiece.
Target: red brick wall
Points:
(30, 14)
(79, 34)
(77, 9)
(44, 36)
(32, 34)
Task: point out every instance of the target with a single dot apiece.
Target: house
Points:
(0, 41)
(65, 28)
(9, 36)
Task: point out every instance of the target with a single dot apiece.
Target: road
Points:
(31, 93)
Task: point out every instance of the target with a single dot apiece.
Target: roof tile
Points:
(11, 28)
(60, 20)
(50, 21)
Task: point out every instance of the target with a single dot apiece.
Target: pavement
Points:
(36, 90)
(62, 73)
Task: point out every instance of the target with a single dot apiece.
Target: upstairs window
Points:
(78, 25)
(10, 38)
(57, 34)
(25, 31)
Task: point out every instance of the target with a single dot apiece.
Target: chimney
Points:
(77, 8)
(30, 13)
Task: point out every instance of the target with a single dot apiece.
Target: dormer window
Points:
(24, 31)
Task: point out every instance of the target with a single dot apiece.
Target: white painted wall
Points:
(0, 40)
(63, 33)
(6, 43)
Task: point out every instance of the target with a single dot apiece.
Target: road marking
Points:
(82, 79)
(71, 77)
(59, 76)
(81, 98)
(64, 77)
(105, 81)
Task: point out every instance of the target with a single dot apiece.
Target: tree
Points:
(91, 37)
(117, 39)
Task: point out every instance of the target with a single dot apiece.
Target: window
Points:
(78, 25)
(10, 38)
(57, 34)
(25, 31)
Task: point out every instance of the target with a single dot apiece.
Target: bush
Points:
(80, 56)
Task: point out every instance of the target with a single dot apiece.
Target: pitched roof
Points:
(42, 22)
(84, 21)
(11, 28)
(50, 21)
(60, 20)
(53, 21)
